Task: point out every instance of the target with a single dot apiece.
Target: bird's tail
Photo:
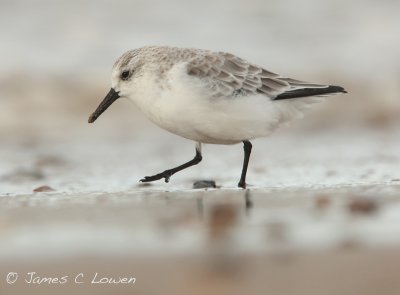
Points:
(308, 95)
(317, 90)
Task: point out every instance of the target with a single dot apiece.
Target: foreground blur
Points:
(321, 215)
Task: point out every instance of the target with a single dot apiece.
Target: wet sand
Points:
(321, 214)
(314, 220)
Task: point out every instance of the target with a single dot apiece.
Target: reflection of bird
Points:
(208, 97)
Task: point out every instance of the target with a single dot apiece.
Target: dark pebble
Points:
(44, 189)
(204, 184)
(362, 206)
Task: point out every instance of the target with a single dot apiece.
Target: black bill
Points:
(107, 101)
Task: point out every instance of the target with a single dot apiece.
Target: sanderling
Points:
(208, 97)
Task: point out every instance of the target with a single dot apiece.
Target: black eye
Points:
(125, 75)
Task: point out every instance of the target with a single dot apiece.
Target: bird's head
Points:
(124, 80)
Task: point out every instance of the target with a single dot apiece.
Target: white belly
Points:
(183, 108)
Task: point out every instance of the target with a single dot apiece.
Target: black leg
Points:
(247, 151)
(168, 173)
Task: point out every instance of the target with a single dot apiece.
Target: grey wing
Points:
(229, 75)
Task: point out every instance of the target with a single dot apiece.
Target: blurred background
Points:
(57, 55)
(323, 204)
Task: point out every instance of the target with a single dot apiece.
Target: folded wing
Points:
(229, 75)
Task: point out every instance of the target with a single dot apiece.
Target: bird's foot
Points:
(166, 175)
(242, 184)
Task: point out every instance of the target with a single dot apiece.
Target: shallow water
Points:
(97, 194)
(321, 212)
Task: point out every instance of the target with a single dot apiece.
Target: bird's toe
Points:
(242, 184)
(166, 175)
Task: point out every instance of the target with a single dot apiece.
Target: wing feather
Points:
(229, 75)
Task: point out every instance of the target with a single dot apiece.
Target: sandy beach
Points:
(321, 214)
